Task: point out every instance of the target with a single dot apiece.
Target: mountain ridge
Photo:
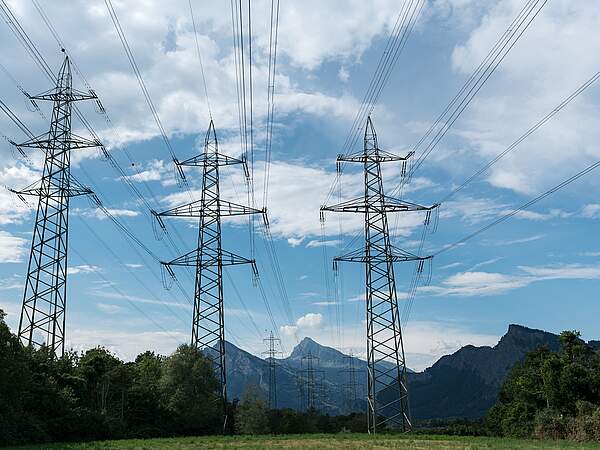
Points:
(463, 384)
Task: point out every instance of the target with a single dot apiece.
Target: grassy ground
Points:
(307, 441)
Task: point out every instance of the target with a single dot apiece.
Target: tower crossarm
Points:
(208, 258)
(47, 140)
(199, 207)
(378, 156)
(64, 95)
(214, 159)
(41, 188)
(388, 205)
(396, 255)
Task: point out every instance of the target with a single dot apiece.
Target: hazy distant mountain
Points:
(464, 384)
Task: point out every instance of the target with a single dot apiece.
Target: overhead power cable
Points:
(200, 59)
(473, 85)
(525, 135)
(405, 22)
(120, 226)
(524, 206)
(140, 79)
(129, 180)
(273, 38)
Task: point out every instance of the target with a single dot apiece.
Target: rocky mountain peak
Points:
(325, 354)
(519, 338)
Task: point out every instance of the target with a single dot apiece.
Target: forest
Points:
(94, 395)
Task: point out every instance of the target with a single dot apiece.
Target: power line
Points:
(520, 208)
(140, 79)
(401, 31)
(525, 135)
(474, 84)
(273, 38)
(129, 180)
(200, 59)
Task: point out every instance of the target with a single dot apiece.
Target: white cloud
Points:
(153, 171)
(83, 269)
(357, 298)
(591, 211)
(472, 283)
(162, 40)
(108, 308)
(485, 263)
(13, 282)
(12, 209)
(138, 299)
(535, 237)
(295, 242)
(308, 322)
(547, 64)
(477, 284)
(134, 266)
(97, 213)
(288, 330)
(125, 344)
(593, 254)
(451, 265)
(565, 272)
(325, 303)
(343, 74)
(325, 243)
(12, 248)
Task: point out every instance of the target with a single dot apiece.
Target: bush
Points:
(550, 424)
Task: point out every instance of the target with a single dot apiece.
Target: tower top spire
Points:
(370, 139)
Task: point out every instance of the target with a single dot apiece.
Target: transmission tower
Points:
(43, 312)
(310, 381)
(272, 352)
(350, 385)
(387, 386)
(209, 258)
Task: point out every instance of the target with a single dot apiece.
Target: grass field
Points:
(307, 441)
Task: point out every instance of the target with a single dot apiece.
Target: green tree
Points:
(544, 394)
(145, 414)
(189, 391)
(251, 414)
(101, 371)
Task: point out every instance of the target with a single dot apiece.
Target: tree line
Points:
(94, 395)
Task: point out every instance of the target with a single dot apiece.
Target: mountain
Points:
(463, 384)
(244, 369)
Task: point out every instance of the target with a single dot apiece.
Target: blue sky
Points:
(539, 269)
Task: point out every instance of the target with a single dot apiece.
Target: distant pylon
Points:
(208, 258)
(310, 376)
(350, 384)
(384, 334)
(43, 314)
(272, 352)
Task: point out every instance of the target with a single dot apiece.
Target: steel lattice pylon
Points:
(208, 330)
(387, 385)
(271, 353)
(43, 312)
(350, 385)
(310, 375)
